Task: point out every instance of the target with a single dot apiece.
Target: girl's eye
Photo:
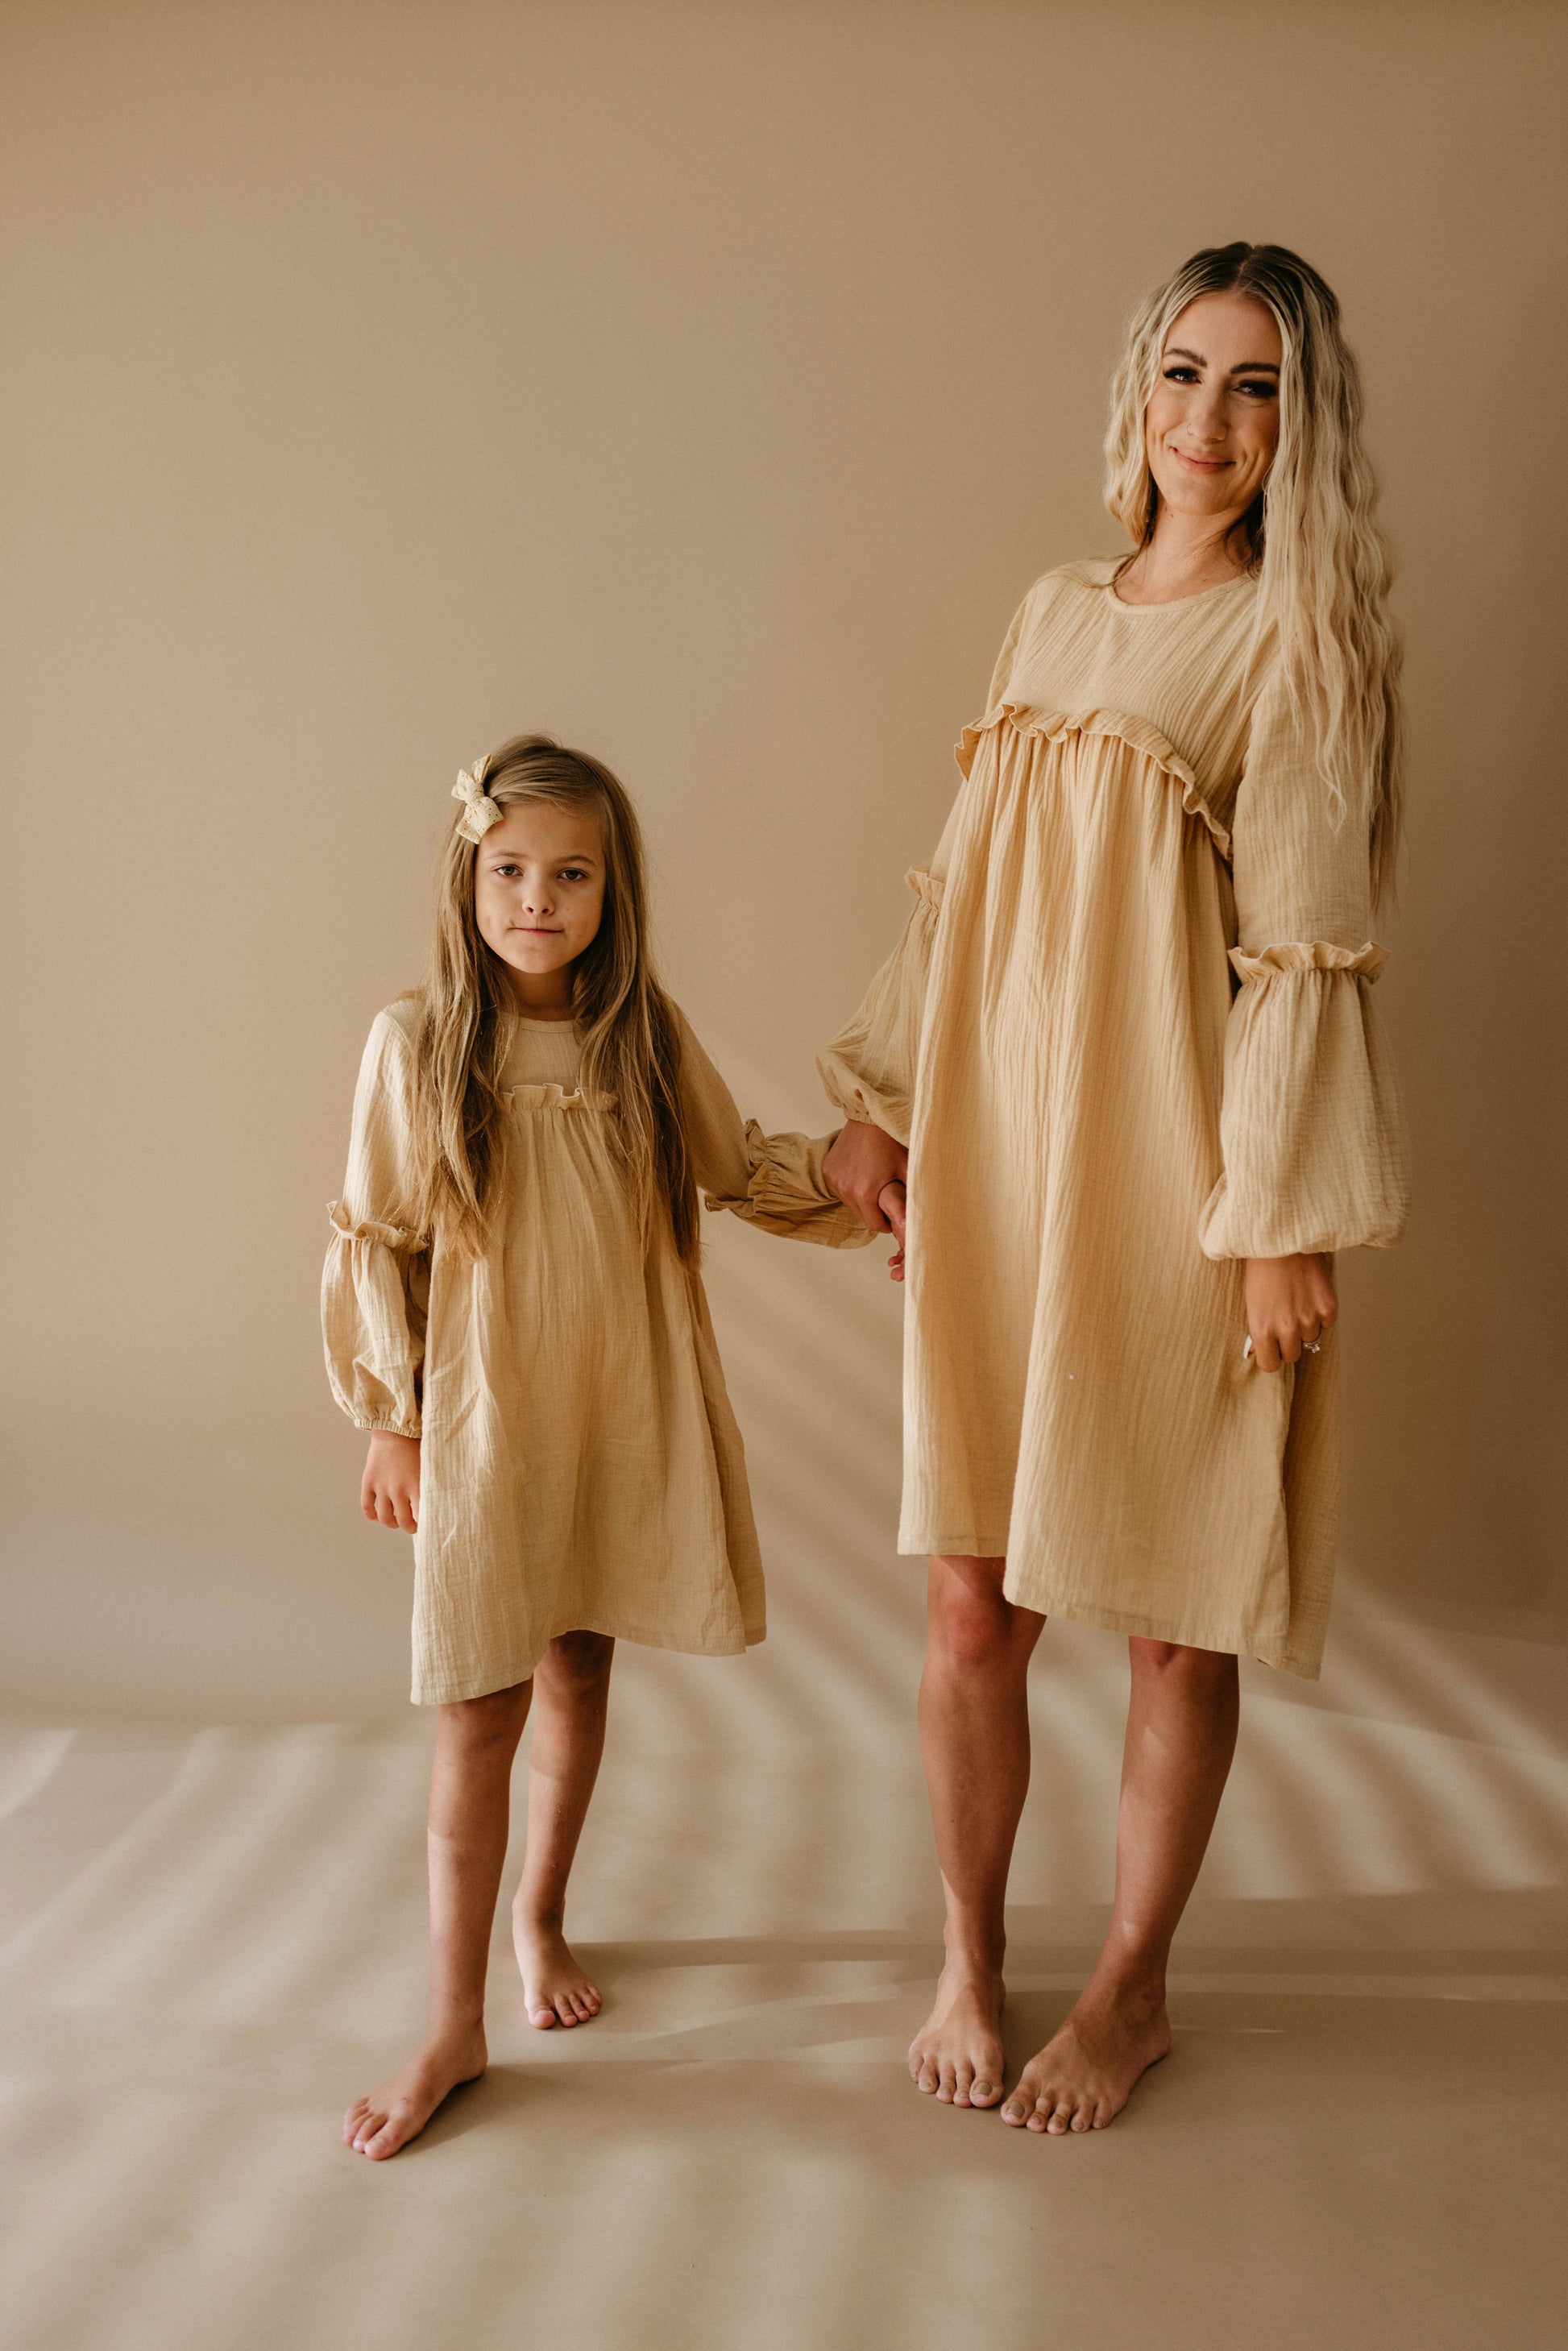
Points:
(573, 873)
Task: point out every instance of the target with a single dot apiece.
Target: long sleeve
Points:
(772, 1181)
(868, 1070)
(376, 1283)
(1312, 1131)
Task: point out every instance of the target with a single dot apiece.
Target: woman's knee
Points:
(969, 1624)
(1172, 1664)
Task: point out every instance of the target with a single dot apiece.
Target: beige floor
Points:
(216, 1939)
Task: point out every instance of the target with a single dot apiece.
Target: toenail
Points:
(981, 2090)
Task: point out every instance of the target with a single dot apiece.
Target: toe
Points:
(1059, 2117)
(369, 2125)
(387, 2141)
(1082, 2116)
(929, 2076)
(944, 2081)
(983, 2093)
(963, 2082)
(541, 2015)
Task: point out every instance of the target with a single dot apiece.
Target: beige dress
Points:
(581, 1467)
(1130, 1040)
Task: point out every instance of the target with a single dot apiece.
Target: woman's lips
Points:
(1201, 465)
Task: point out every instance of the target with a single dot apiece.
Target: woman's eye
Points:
(1181, 375)
(1258, 391)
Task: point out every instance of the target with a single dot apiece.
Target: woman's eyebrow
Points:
(1242, 367)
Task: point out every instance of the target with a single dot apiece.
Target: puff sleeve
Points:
(375, 1286)
(772, 1181)
(1312, 1131)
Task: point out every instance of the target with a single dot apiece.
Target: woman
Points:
(1126, 1057)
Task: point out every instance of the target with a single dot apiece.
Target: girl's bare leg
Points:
(476, 1742)
(974, 1736)
(1181, 1735)
(572, 1686)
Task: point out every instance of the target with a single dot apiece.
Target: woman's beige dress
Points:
(581, 1467)
(1129, 1038)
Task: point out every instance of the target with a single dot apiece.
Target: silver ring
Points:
(1314, 1346)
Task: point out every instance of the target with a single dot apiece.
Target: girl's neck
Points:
(542, 995)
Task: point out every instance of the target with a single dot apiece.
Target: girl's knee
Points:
(580, 1662)
(488, 1721)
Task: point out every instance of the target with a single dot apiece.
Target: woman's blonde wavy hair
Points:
(630, 1035)
(1323, 565)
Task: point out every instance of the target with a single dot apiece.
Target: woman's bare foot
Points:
(379, 2126)
(956, 2056)
(1086, 2073)
(555, 1989)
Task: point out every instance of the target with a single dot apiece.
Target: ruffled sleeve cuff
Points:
(374, 1292)
(786, 1195)
(1312, 1130)
(868, 1071)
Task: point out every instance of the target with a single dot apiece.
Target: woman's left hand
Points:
(1290, 1302)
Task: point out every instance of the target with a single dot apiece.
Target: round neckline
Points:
(1174, 603)
(524, 1020)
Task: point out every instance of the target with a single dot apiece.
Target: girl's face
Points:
(539, 896)
(1212, 424)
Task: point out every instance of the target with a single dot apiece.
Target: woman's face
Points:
(538, 895)
(1212, 424)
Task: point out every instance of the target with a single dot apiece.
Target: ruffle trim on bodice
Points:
(554, 1097)
(396, 1237)
(1365, 962)
(1052, 726)
(927, 887)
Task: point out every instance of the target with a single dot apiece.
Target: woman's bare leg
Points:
(974, 1736)
(573, 1691)
(1181, 1736)
(470, 1786)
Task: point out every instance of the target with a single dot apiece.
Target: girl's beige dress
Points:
(1129, 1037)
(581, 1467)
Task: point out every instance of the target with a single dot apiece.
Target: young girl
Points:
(512, 1307)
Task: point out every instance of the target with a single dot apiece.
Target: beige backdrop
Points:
(703, 384)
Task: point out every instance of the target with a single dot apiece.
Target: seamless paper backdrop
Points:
(705, 386)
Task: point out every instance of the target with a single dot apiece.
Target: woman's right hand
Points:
(389, 1491)
(858, 1163)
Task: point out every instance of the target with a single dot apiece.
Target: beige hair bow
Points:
(478, 812)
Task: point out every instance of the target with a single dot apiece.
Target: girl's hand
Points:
(893, 1201)
(389, 1491)
(1290, 1302)
(861, 1162)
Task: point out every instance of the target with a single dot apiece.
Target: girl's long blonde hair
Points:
(630, 1035)
(1323, 565)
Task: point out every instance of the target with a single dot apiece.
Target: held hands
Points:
(867, 1169)
(1290, 1302)
(389, 1491)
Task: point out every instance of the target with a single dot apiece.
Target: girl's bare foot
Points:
(1084, 2075)
(956, 2056)
(398, 2110)
(555, 1989)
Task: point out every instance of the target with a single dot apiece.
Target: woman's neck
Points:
(1184, 556)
